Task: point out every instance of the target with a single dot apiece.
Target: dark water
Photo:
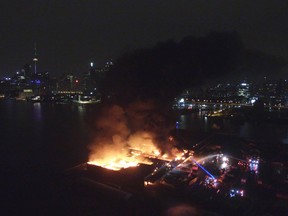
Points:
(38, 142)
(260, 131)
(53, 135)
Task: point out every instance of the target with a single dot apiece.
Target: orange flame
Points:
(121, 160)
(139, 149)
(120, 154)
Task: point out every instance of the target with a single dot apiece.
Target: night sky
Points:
(72, 33)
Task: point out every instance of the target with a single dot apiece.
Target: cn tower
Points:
(35, 59)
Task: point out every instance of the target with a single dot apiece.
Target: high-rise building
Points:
(90, 78)
(26, 71)
(244, 90)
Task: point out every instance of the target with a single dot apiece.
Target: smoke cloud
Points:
(139, 125)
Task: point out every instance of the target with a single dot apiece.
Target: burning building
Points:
(129, 144)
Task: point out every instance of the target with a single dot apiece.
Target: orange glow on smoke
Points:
(127, 137)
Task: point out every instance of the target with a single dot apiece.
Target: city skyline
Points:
(71, 34)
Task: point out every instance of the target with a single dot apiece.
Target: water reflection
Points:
(194, 121)
(81, 110)
(37, 112)
(206, 125)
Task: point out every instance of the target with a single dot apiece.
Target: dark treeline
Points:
(165, 70)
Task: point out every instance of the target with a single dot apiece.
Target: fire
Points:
(118, 146)
(123, 154)
(127, 137)
(130, 158)
(116, 163)
(138, 149)
(125, 151)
